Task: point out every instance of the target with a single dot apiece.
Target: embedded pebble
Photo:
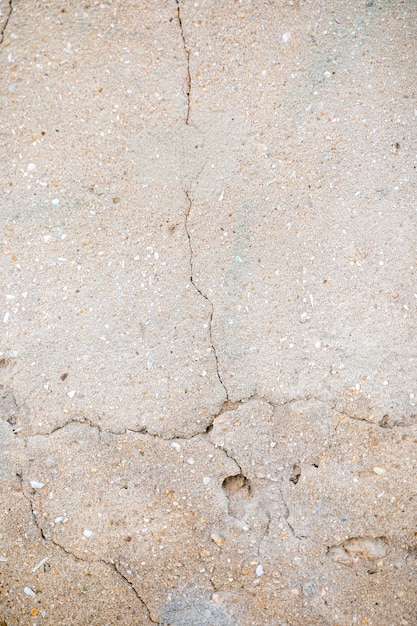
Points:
(259, 570)
(28, 591)
(40, 564)
(206, 480)
(87, 533)
(379, 471)
(36, 485)
(218, 539)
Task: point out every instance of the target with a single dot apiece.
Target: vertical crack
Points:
(132, 587)
(187, 56)
(203, 295)
(9, 12)
(287, 516)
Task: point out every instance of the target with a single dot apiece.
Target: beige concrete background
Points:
(208, 351)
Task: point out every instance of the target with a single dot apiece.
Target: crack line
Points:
(287, 515)
(131, 585)
(187, 55)
(110, 563)
(200, 292)
(9, 12)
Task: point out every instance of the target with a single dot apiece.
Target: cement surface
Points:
(208, 351)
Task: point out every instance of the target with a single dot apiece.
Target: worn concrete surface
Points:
(208, 348)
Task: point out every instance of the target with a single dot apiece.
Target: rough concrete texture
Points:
(208, 349)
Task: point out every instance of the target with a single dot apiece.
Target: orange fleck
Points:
(34, 611)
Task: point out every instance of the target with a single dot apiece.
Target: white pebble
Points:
(71, 394)
(286, 37)
(31, 167)
(259, 570)
(40, 564)
(191, 461)
(28, 591)
(176, 446)
(206, 480)
(87, 533)
(379, 471)
(36, 485)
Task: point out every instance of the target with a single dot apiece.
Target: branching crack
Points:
(200, 292)
(6, 21)
(230, 455)
(187, 55)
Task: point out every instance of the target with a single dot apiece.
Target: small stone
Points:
(71, 394)
(176, 446)
(294, 592)
(204, 554)
(87, 533)
(379, 471)
(191, 461)
(259, 570)
(206, 480)
(310, 589)
(218, 539)
(286, 37)
(36, 485)
(28, 591)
